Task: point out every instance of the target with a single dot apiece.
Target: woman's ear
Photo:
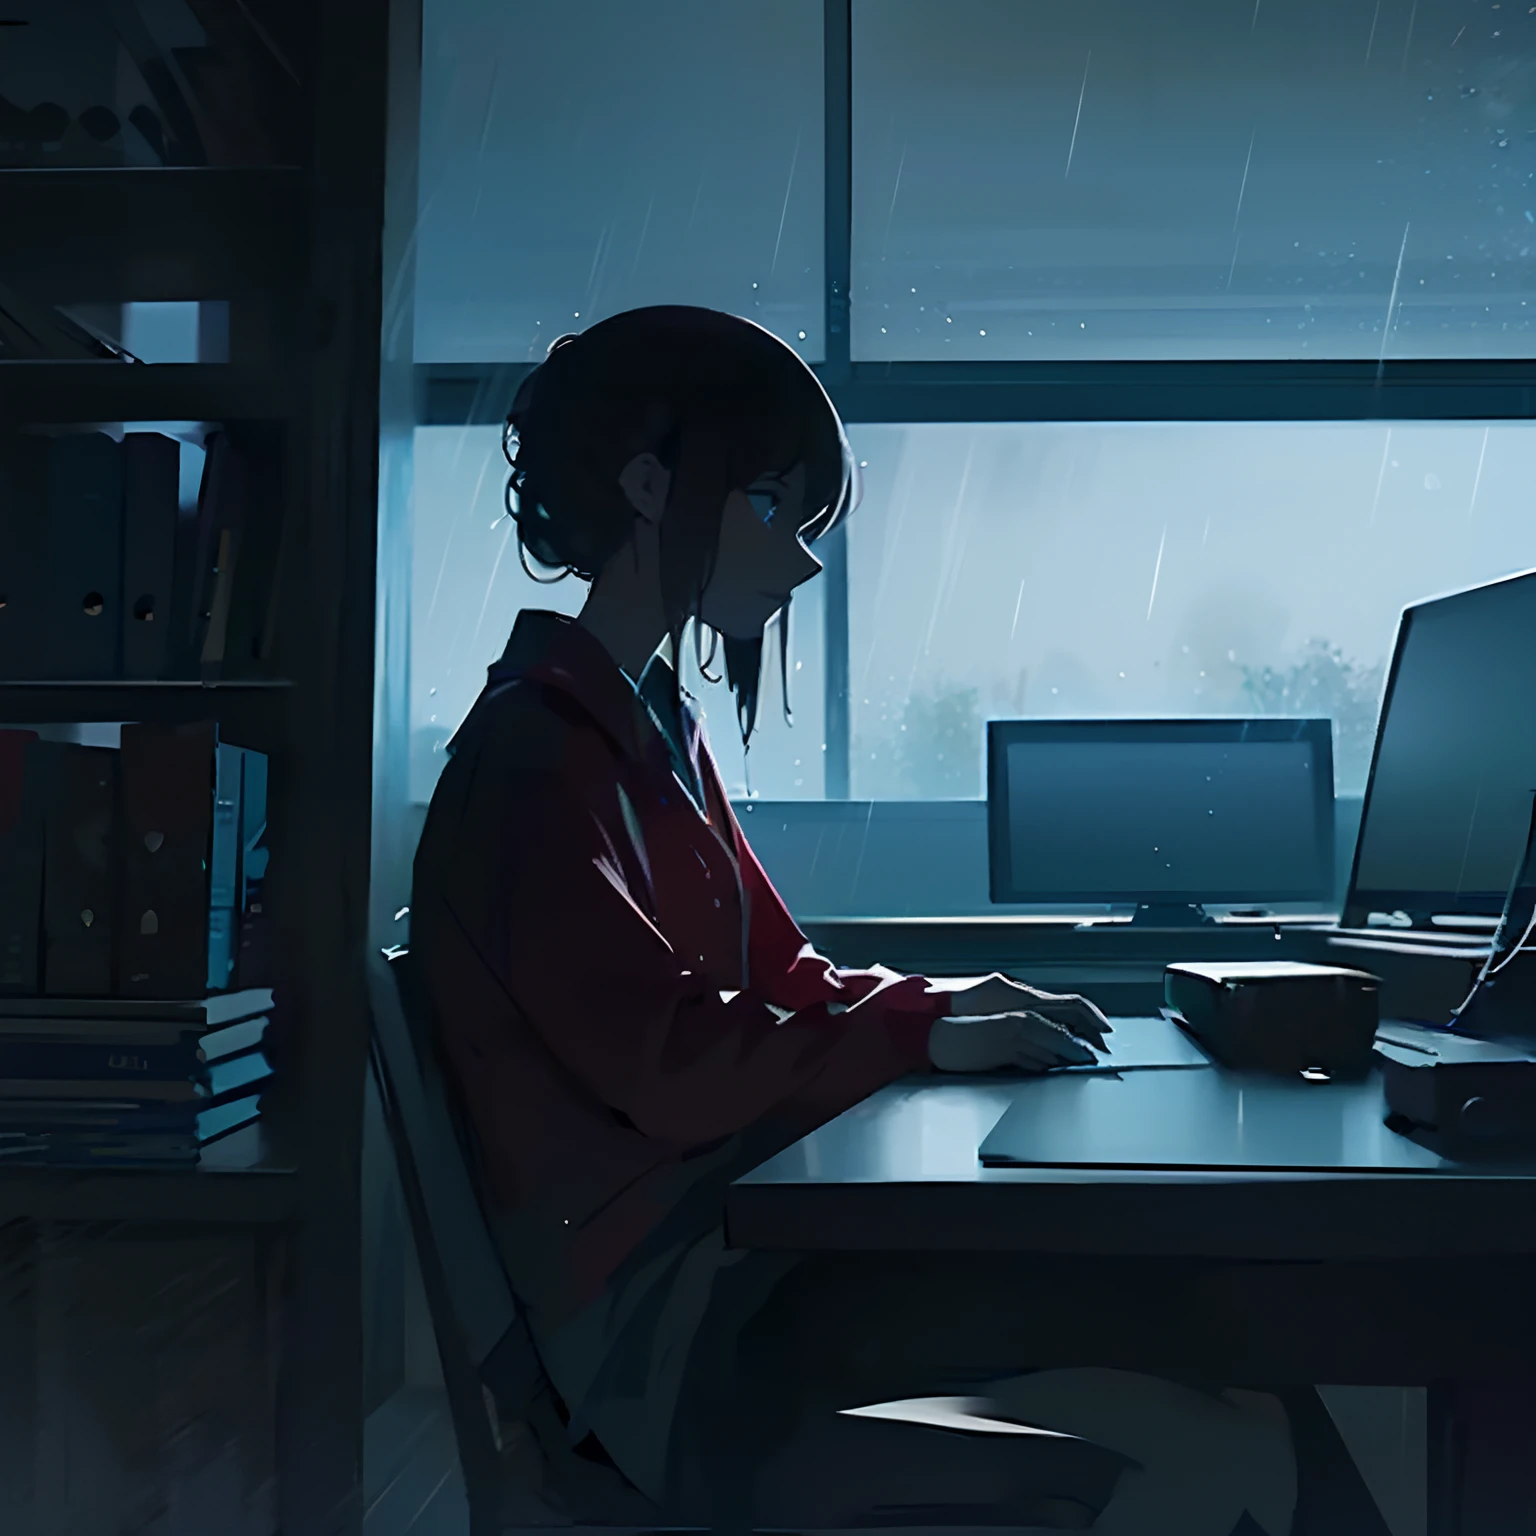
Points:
(645, 480)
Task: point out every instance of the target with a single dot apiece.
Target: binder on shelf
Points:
(227, 558)
(21, 867)
(184, 645)
(168, 810)
(83, 632)
(23, 553)
(221, 508)
(247, 636)
(79, 864)
(151, 483)
(197, 558)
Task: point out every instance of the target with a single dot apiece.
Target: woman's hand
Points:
(1025, 1042)
(978, 996)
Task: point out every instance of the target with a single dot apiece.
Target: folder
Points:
(79, 868)
(82, 636)
(247, 630)
(21, 867)
(151, 488)
(23, 553)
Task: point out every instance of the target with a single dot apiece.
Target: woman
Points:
(634, 1019)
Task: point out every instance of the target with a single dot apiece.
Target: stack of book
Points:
(124, 1082)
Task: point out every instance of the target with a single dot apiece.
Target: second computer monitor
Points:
(1162, 813)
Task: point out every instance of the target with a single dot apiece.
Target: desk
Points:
(1398, 1278)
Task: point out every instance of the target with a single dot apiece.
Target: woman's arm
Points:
(789, 971)
(649, 1036)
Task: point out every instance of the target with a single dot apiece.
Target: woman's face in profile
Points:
(761, 557)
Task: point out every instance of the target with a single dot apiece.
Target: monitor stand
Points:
(1171, 914)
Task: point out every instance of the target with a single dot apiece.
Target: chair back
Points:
(418, 1105)
(470, 1300)
(482, 1337)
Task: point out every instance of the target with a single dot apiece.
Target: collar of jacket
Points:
(555, 651)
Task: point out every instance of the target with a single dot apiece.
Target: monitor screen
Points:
(1448, 804)
(1160, 811)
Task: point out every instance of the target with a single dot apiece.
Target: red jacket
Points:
(575, 920)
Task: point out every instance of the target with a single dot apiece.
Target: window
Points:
(1196, 179)
(1182, 345)
(1154, 568)
(583, 157)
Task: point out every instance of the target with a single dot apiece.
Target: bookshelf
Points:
(296, 254)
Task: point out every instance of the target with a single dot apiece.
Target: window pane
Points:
(1196, 179)
(468, 587)
(1180, 569)
(582, 157)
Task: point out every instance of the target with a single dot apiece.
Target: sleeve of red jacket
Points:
(650, 1038)
(785, 966)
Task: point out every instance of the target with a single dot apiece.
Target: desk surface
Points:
(1242, 1122)
(901, 1171)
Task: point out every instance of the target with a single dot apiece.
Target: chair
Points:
(520, 1470)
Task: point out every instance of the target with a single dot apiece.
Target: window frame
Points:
(1090, 391)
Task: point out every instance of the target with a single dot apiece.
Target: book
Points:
(79, 865)
(253, 957)
(124, 1060)
(82, 631)
(184, 645)
(200, 1013)
(220, 515)
(23, 551)
(21, 867)
(224, 865)
(31, 1116)
(53, 1056)
(168, 774)
(151, 486)
(208, 1084)
(131, 1141)
(248, 625)
(78, 1035)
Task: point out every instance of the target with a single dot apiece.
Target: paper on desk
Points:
(1143, 1044)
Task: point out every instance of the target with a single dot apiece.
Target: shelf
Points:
(254, 708)
(109, 391)
(126, 234)
(237, 1183)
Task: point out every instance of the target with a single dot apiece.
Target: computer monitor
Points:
(1448, 802)
(1169, 814)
